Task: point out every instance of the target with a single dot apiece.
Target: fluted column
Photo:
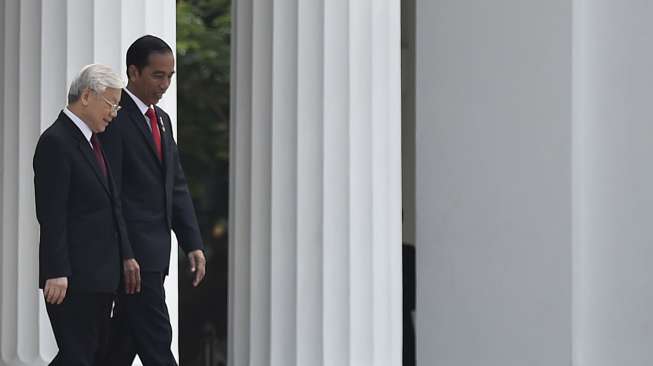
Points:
(43, 45)
(315, 236)
(614, 179)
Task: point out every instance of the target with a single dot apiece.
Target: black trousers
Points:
(141, 325)
(81, 328)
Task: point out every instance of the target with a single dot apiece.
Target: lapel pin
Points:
(163, 127)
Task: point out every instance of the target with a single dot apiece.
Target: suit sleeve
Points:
(125, 246)
(52, 170)
(112, 144)
(184, 220)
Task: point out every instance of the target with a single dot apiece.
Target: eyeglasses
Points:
(114, 107)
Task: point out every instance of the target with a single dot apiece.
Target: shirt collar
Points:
(86, 131)
(139, 103)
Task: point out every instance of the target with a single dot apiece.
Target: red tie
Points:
(156, 135)
(97, 151)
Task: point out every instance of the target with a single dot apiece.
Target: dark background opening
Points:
(203, 61)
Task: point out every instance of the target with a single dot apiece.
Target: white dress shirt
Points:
(86, 131)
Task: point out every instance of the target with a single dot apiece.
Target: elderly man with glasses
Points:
(82, 233)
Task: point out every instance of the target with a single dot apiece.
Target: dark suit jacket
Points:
(155, 196)
(82, 231)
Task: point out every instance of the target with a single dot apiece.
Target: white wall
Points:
(493, 186)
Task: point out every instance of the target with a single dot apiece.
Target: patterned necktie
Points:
(156, 135)
(99, 156)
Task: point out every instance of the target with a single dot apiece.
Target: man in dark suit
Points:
(82, 235)
(155, 198)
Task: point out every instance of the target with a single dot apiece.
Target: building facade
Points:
(526, 184)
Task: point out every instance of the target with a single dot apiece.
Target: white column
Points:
(614, 175)
(22, 318)
(494, 183)
(44, 44)
(534, 184)
(315, 232)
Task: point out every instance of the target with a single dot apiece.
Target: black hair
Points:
(139, 52)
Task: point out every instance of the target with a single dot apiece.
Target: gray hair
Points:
(96, 77)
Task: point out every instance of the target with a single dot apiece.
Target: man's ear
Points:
(86, 94)
(132, 71)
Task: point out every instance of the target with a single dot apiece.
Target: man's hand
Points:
(197, 266)
(132, 274)
(55, 290)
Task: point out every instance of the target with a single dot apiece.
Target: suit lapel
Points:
(90, 158)
(85, 149)
(138, 119)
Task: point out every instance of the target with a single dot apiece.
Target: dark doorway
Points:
(408, 176)
(203, 61)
